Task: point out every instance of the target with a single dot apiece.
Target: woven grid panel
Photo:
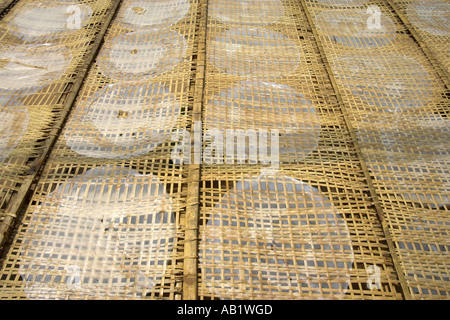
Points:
(113, 161)
(37, 70)
(81, 241)
(5, 3)
(107, 217)
(307, 230)
(431, 19)
(399, 108)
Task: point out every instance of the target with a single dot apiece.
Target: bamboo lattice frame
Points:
(173, 86)
(360, 192)
(402, 132)
(46, 101)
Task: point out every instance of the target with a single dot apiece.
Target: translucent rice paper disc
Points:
(151, 13)
(254, 12)
(252, 105)
(430, 16)
(13, 126)
(387, 82)
(123, 121)
(141, 55)
(350, 28)
(254, 52)
(410, 154)
(275, 238)
(32, 66)
(50, 19)
(106, 233)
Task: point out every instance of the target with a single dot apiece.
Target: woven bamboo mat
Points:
(299, 232)
(398, 105)
(431, 20)
(322, 169)
(113, 157)
(81, 230)
(38, 69)
(4, 4)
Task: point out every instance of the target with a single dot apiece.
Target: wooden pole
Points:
(190, 283)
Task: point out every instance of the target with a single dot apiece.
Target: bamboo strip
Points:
(367, 175)
(190, 284)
